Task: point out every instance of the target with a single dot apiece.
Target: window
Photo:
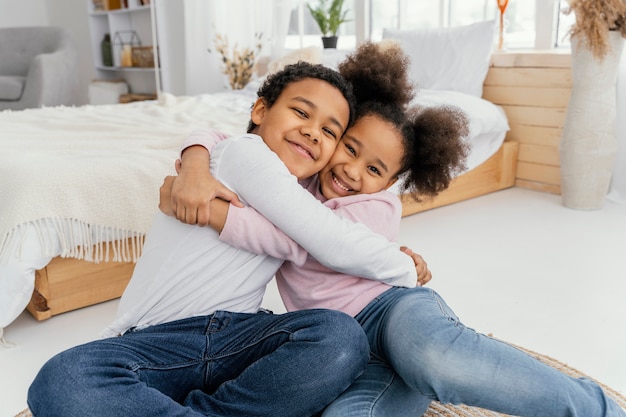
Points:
(303, 30)
(539, 24)
(424, 14)
(564, 23)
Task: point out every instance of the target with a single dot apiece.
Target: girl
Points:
(420, 351)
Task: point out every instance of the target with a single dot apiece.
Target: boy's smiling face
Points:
(304, 125)
(366, 161)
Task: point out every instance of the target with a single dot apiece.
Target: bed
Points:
(80, 185)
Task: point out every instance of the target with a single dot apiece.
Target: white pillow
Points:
(483, 115)
(312, 54)
(454, 59)
(488, 123)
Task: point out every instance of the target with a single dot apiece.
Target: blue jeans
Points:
(421, 352)
(226, 364)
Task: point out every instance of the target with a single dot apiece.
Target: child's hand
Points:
(165, 196)
(191, 192)
(423, 273)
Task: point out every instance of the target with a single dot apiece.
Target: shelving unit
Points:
(135, 17)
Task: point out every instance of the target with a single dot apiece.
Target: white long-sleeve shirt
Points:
(187, 271)
(310, 284)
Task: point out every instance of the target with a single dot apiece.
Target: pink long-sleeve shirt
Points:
(310, 284)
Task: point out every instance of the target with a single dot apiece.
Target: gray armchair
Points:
(37, 67)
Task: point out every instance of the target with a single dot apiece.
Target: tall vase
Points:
(588, 142)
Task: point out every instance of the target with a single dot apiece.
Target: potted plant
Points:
(329, 18)
(588, 142)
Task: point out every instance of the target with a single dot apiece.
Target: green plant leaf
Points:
(329, 18)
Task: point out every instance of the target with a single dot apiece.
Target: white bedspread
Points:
(79, 175)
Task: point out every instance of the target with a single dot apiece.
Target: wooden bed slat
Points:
(486, 178)
(538, 173)
(553, 58)
(538, 186)
(536, 116)
(528, 96)
(529, 77)
(535, 135)
(66, 284)
(545, 155)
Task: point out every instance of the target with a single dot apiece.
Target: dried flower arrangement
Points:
(238, 65)
(594, 20)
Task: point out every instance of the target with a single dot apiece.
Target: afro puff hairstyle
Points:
(433, 138)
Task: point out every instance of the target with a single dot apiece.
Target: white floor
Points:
(515, 263)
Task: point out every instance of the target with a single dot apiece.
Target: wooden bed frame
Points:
(533, 89)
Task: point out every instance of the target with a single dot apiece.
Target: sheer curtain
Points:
(617, 191)
(240, 21)
(187, 29)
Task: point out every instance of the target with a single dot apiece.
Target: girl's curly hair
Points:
(433, 137)
(379, 72)
(435, 149)
(275, 83)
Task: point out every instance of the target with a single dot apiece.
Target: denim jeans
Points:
(226, 364)
(421, 352)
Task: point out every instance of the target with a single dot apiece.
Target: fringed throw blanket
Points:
(98, 166)
(73, 177)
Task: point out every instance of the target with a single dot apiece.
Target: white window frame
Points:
(546, 15)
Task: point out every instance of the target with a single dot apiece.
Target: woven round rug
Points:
(442, 410)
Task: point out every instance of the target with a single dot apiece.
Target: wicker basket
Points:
(143, 56)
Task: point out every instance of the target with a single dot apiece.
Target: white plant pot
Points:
(589, 143)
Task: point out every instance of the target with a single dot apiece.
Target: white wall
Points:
(185, 33)
(23, 13)
(71, 14)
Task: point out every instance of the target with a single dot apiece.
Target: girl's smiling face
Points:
(367, 159)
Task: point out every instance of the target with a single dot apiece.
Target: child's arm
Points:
(256, 174)
(262, 237)
(247, 229)
(194, 188)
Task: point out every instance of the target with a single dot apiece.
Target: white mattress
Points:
(32, 245)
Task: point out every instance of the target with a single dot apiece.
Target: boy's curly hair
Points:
(275, 83)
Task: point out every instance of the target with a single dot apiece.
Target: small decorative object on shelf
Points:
(132, 53)
(107, 52)
(112, 4)
(129, 98)
(126, 60)
(126, 40)
(143, 56)
(329, 18)
(239, 65)
(502, 5)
